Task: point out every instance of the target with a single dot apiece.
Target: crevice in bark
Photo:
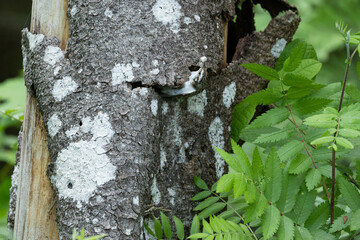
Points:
(276, 6)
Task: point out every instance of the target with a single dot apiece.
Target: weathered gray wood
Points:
(118, 149)
(35, 216)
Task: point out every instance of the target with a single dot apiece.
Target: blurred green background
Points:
(317, 27)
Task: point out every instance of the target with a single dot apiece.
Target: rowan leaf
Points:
(310, 105)
(166, 225)
(206, 203)
(355, 221)
(351, 133)
(344, 143)
(294, 80)
(242, 159)
(230, 160)
(272, 175)
(270, 221)
(323, 140)
(350, 195)
(158, 229)
(308, 68)
(339, 224)
(179, 228)
(256, 209)
(200, 183)
(290, 150)
(262, 71)
(313, 178)
(289, 191)
(195, 225)
(300, 164)
(276, 136)
(257, 165)
(304, 206)
(213, 209)
(242, 114)
(286, 229)
(271, 117)
(295, 57)
(322, 120)
(298, 92)
(201, 195)
(264, 97)
(318, 217)
(302, 233)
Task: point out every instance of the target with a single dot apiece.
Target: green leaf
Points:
(358, 65)
(357, 169)
(294, 80)
(158, 229)
(276, 136)
(200, 183)
(302, 233)
(148, 229)
(295, 57)
(310, 105)
(242, 114)
(308, 68)
(166, 225)
(286, 229)
(230, 160)
(322, 120)
(225, 183)
(304, 206)
(312, 179)
(351, 133)
(195, 225)
(352, 90)
(207, 202)
(262, 71)
(271, 117)
(198, 235)
(289, 191)
(239, 185)
(250, 192)
(298, 92)
(300, 164)
(318, 217)
(319, 234)
(355, 221)
(242, 159)
(339, 224)
(215, 208)
(273, 177)
(256, 209)
(350, 195)
(264, 97)
(290, 150)
(257, 165)
(344, 143)
(207, 226)
(323, 140)
(179, 228)
(201, 195)
(270, 221)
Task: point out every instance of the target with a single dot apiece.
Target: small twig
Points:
(52, 206)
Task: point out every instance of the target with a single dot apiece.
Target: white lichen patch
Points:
(168, 12)
(122, 73)
(187, 20)
(135, 64)
(155, 63)
(279, 46)
(229, 94)
(128, 231)
(108, 13)
(34, 39)
(163, 159)
(155, 193)
(83, 166)
(143, 91)
(136, 200)
(154, 106)
(155, 71)
(216, 137)
(73, 10)
(197, 18)
(53, 54)
(72, 132)
(63, 87)
(172, 194)
(57, 69)
(54, 125)
(164, 108)
(196, 104)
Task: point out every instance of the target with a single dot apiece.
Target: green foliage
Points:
(76, 236)
(283, 193)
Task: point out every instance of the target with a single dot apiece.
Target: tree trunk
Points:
(123, 138)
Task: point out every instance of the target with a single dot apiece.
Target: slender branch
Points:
(302, 140)
(333, 158)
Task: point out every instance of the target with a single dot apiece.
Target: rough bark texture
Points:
(116, 147)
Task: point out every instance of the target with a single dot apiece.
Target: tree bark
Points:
(118, 148)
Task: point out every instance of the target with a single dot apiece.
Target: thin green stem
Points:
(302, 140)
(333, 156)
